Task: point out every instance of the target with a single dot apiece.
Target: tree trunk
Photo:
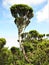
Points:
(26, 58)
(19, 38)
(21, 46)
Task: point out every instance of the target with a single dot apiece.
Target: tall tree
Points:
(22, 14)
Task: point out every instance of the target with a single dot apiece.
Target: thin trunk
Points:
(19, 38)
(22, 48)
(26, 58)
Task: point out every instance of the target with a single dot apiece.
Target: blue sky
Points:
(39, 22)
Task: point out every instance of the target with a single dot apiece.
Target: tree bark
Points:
(21, 46)
(26, 58)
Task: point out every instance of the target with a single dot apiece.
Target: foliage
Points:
(34, 33)
(22, 14)
(2, 42)
(20, 9)
(36, 50)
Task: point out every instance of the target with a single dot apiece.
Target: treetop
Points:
(20, 9)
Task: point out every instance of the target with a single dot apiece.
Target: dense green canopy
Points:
(22, 14)
(37, 51)
(21, 10)
(2, 42)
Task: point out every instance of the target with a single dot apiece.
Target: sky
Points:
(39, 22)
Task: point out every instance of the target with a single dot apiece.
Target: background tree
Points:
(26, 36)
(40, 37)
(13, 50)
(18, 58)
(36, 55)
(34, 34)
(47, 35)
(2, 42)
(5, 54)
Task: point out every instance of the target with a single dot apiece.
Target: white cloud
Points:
(43, 14)
(7, 3)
